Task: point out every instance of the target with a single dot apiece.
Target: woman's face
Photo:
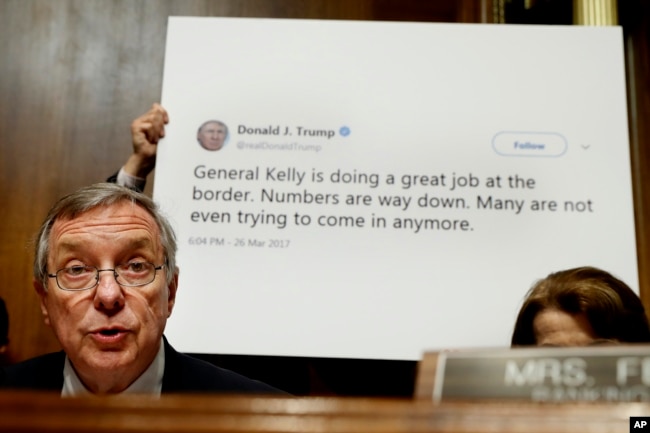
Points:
(554, 327)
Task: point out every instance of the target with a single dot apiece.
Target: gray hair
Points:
(94, 196)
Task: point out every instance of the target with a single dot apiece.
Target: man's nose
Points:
(108, 293)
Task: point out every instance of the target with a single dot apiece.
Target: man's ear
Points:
(42, 294)
(172, 287)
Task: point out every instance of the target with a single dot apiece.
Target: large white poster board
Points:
(386, 188)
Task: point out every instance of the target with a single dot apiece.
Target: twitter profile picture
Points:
(212, 135)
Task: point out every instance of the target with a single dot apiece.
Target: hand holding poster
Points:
(364, 189)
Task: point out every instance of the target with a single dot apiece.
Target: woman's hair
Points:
(613, 310)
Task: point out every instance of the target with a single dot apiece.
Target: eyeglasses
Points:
(132, 274)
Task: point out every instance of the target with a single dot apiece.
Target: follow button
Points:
(544, 144)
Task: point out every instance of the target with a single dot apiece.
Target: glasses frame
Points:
(156, 268)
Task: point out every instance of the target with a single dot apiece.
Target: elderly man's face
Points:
(212, 136)
(110, 333)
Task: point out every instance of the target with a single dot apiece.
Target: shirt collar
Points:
(149, 382)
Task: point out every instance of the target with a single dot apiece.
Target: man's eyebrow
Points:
(135, 243)
(141, 242)
(68, 245)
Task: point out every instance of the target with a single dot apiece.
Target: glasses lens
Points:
(76, 277)
(135, 273)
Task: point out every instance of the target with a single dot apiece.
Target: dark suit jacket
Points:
(182, 374)
(113, 179)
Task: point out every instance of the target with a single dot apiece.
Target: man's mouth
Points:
(110, 335)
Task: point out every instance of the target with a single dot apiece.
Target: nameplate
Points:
(612, 373)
